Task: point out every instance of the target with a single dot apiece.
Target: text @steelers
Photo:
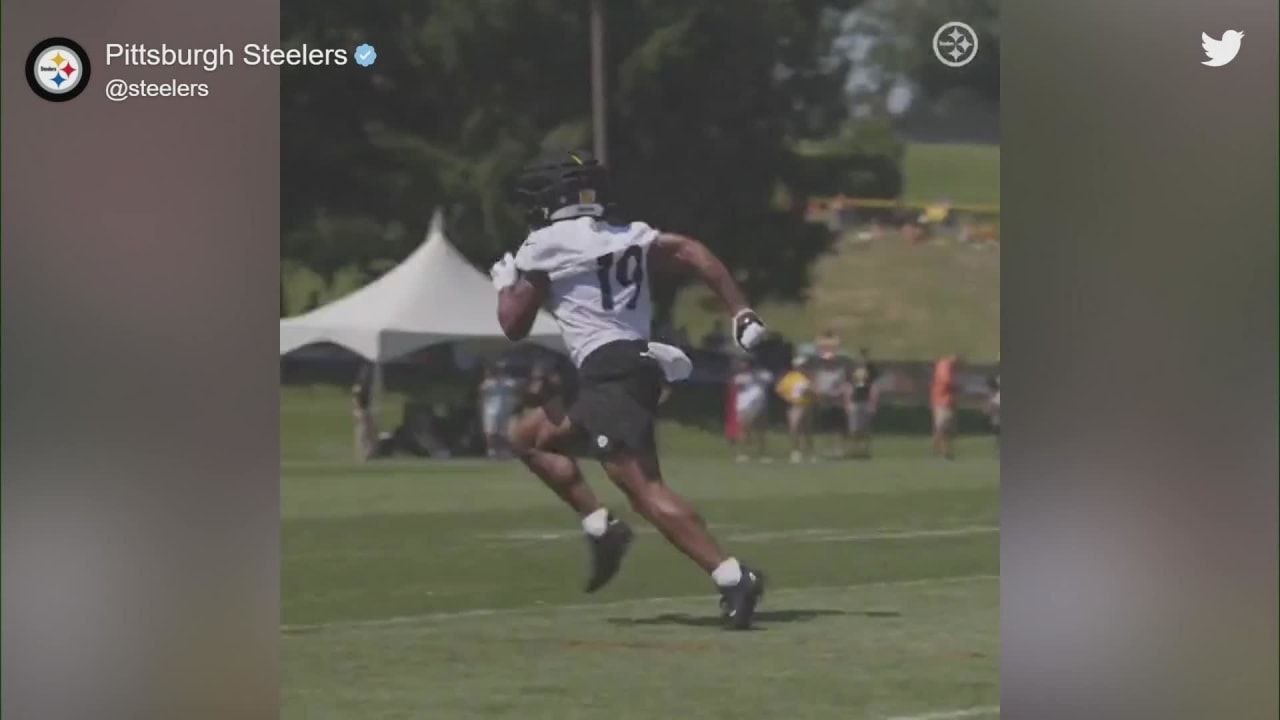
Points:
(212, 58)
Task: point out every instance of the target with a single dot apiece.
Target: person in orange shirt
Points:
(942, 398)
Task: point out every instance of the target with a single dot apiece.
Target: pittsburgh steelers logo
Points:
(58, 69)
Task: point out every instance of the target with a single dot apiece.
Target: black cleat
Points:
(738, 603)
(607, 552)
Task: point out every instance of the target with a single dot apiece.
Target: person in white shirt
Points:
(499, 392)
(591, 271)
(751, 387)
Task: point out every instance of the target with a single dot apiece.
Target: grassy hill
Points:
(903, 301)
(963, 174)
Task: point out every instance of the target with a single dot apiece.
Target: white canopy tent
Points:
(434, 296)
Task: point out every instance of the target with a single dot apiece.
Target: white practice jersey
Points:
(599, 280)
(751, 387)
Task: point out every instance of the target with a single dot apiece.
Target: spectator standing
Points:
(796, 391)
(751, 403)
(371, 444)
(498, 396)
(942, 399)
(864, 400)
(830, 373)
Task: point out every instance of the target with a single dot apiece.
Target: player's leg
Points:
(534, 439)
(618, 411)
(640, 479)
(638, 474)
(543, 440)
(795, 427)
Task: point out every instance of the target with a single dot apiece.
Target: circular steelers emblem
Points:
(955, 44)
(58, 69)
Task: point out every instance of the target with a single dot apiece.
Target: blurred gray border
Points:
(1139, 345)
(140, 416)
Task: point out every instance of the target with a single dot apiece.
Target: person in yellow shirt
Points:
(796, 390)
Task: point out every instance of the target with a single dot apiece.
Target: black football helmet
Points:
(558, 180)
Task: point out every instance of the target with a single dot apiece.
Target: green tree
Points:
(902, 33)
(707, 100)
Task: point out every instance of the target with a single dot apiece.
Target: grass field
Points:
(442, 590)
(452, 589)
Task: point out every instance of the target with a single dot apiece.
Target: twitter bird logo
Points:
(1222, 51)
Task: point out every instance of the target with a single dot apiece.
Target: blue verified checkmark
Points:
(365, 55)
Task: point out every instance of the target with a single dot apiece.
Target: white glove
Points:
(504, 273)
(748, 329)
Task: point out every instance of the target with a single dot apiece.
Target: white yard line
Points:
(803, 534)
(825, 536)
(811, 535)
(973, 712)
(539, 609)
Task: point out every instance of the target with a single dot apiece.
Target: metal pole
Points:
(597, 83)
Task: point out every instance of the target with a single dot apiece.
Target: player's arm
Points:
(672, 252)
(520, 294)
(676, 253)
(518, 304)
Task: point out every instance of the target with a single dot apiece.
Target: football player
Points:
(592, 273)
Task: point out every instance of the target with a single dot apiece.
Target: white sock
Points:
(596, 523)
(727, 573)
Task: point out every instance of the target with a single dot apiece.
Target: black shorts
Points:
(618, 393)
(832, 418)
